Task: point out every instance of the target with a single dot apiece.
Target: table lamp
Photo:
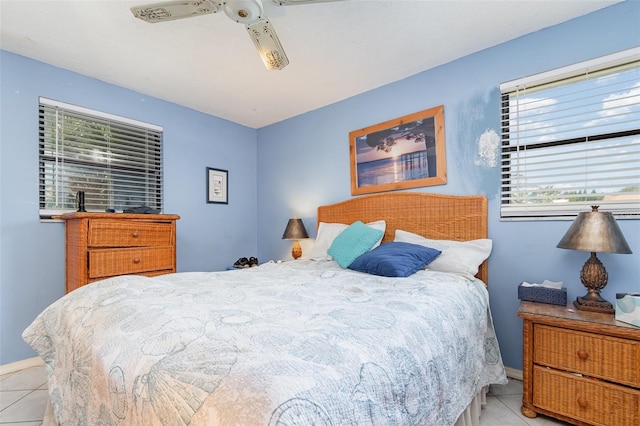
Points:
(295, 231)
(594, 231)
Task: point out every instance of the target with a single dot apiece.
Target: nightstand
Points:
(578, 366)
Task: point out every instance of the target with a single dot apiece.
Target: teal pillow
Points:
(353, 242)
(395, 259)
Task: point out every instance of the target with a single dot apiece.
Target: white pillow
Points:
(463, 257)
(327, 232)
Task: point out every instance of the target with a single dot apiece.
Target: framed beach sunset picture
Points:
(406, 152)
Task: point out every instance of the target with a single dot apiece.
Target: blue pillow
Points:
(395, 259)
(357, 239)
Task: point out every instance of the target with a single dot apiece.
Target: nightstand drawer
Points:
(111, 233)
(605, 357)
(109, 262)
(588, 400)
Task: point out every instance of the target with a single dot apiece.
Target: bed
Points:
(304, 342)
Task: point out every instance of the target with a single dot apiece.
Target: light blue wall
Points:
(304, 161)
(209, 236)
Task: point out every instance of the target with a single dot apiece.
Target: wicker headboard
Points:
(434, 216)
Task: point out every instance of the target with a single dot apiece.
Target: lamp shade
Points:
(595, 231)
(295, 230)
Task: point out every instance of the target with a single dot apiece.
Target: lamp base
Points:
(594, 277)
(594, 303)
(296, 250)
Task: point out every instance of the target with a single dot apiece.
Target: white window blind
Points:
(571, 139)
(116, 161)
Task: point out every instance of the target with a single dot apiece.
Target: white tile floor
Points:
(23, 398)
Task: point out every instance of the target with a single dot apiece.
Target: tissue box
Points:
(553, 296)
(628, 308)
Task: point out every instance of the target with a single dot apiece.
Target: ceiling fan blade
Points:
(176, 9)
(294, 2)
(264, 37)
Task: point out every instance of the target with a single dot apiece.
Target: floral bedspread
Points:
(297, 343)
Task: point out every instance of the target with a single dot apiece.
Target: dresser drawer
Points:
(109, 262)
(605, 357)
(114, 233)
(588, 400)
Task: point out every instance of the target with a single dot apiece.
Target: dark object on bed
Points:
(395, 259)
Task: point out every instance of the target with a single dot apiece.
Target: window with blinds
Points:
(571, 139)
(116, 161)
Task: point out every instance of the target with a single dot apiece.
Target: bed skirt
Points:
(469, 417)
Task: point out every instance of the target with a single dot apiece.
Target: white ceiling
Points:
(208, 63)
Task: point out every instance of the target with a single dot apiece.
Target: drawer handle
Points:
(582, 354)
(135, 234)
(582, 402)
(136, 260)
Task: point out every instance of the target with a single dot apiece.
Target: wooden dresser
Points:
(580, 367)
(102, 245)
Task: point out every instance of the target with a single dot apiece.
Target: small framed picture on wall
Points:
(217, 186)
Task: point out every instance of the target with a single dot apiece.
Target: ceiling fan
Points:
(248, 12)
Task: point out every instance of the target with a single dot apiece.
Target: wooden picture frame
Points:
(217, 186)
(406, 152)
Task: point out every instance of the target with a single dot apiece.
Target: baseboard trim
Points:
(513, 373)
(21, 365)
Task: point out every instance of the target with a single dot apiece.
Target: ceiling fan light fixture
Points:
(243, 11)
(266, 41)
